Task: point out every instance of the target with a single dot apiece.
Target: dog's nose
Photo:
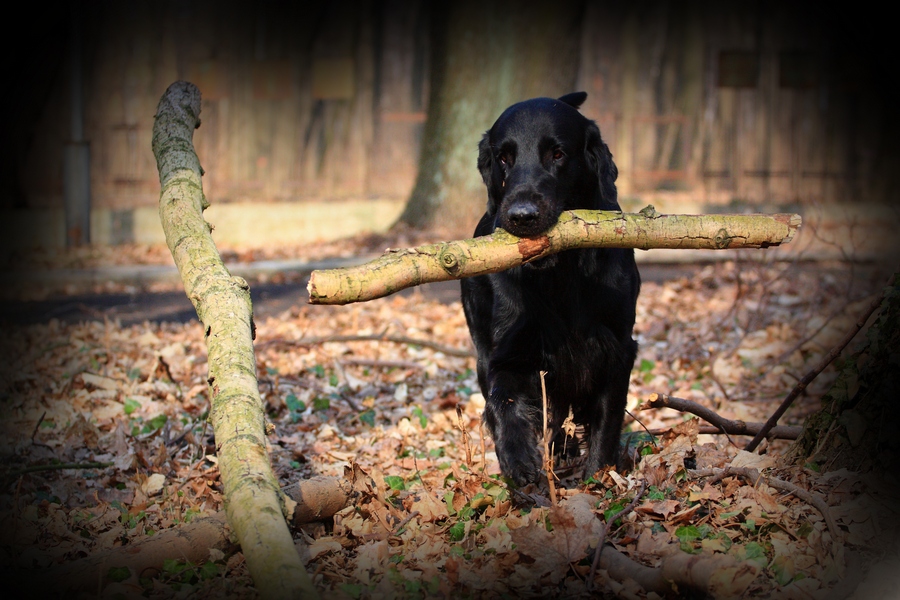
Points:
(523, 215)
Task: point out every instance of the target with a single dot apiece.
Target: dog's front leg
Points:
(603, 426)
(513, 407)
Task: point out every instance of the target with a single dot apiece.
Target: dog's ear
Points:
(600, 160)
(575, 99)
(485, 158)
(486, 167)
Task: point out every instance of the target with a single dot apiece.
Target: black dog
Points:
(570, 314)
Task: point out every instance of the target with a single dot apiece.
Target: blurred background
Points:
(315, 117)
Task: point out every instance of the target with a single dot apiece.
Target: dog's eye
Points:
(502, 158)
(558, 154)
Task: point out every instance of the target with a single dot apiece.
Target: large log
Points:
(253, 501)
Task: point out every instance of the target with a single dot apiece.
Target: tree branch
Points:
(753, 476)
(826, 360)
(253, 501)
(399, 269)
(722, 425)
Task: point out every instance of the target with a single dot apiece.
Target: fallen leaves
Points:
(434, 518)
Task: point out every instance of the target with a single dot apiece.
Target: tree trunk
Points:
(485, 56)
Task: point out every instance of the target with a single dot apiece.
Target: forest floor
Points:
(105, 443)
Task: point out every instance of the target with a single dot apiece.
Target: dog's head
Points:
(542, 157)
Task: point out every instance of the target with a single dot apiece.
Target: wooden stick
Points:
(808, 378)
(721, 424)
(400, 269)
(754, 476)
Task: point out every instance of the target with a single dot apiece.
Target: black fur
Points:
(570, 314)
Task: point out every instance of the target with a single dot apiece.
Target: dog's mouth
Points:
(528, 215)
(526, 230)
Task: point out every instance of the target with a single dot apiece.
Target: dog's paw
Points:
(596, 461)
(511, 418)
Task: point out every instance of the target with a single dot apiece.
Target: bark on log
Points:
(253, 501)
(400, 269)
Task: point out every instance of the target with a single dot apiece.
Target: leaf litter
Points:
(105, 441)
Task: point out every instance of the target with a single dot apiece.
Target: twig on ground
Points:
(780, 432)
(808, 378)
(644, 427)
(465, 436)
(483, 451)
(599, 549)
(38, 425)
(396, 339)
(754, 476)
(721, 424)
(384, 364)
(58, 467)
(403, 523)
(548, 456)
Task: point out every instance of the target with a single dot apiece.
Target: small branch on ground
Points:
(403, 523)
(780, 432)
(56, 467)
(809, 377)
(396, 339)
(381, 364)
(721, 424)
(753, 476)
(465, 436)
(37, 425)
(399, 269)
(548, 455)
(605, 531)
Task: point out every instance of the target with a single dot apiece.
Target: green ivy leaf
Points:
(368, 417)
(118, 574)
(458, 532)
(354, 590)
(423, 420)
(395, 482)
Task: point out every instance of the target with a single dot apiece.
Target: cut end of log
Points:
(325, 287)
(311, 289)
(796, 221)
(793, 222)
